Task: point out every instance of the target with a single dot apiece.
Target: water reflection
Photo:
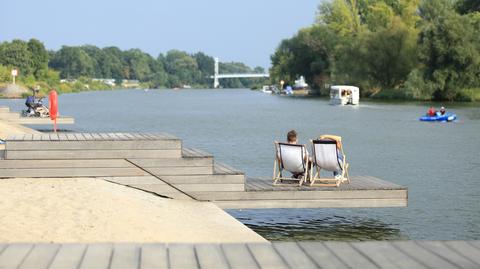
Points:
(301, 225)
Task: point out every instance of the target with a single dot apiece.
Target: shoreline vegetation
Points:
(82, 68)
(405, 49)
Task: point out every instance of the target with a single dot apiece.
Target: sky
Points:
(245, 31)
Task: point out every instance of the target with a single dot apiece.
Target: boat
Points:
(438, 117)
(300, 88)
(269, 89)
(344, 95)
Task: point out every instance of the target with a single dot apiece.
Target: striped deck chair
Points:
(292, 158)
(325, 156)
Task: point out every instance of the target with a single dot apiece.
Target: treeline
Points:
(84, 63)
(416, 49)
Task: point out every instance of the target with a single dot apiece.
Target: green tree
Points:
(72, 62)
(183, 67)
(16, 54)
(39, 57)
(468, 6)
(449, 49)
(341, 16)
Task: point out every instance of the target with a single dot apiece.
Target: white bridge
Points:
(218, 76)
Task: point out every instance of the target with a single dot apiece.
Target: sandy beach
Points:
(93, 210)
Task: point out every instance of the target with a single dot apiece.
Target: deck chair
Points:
(291, 158)
(325, 156)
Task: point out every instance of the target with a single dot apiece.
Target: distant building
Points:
(107, 81)
(130, 83)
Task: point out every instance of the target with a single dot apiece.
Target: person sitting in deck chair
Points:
(338, 173)
(292, 139)
(328, 155)
(291, 157)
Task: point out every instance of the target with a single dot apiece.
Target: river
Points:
(438, 162)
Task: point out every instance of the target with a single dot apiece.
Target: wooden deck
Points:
(158, 163)
(15, 117)
(277, 255)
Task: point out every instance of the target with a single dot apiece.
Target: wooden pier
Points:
(15, 117)
(277, 255)
(158, 163)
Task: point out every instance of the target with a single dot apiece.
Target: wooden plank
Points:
(182, 256)
(322, 255)
(162, 189)
(125, 256)
(466, 250)
(97, 256)
(42, 121)
(96, 136)
(40, 257)
(210, 187)
(154, 256)
(210, 256)
(119, 163)
(121, 136)
(135, 180)
(71, 172)
(320, 203)
(54, 137)
(301, 195)
(62, 137)
(349, 255)
(207, 179)
(180, 170)
(294, 255)
(168, 162)
(91, 154)
(80, 137)
(266, 256)
(386, 255)
(94, 145)
(69, 256)
(71, 137)
(13, 255)
(239, 256)
(422, 255)
(445, 252)
(357, 184)
(88, 136)
(105, 137)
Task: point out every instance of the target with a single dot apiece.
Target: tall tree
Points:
(39, 56)
(72, 62)
(16, 54)
(449, 48)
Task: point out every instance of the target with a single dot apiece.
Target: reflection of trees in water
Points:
(332, 228)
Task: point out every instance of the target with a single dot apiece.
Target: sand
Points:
(92, 210)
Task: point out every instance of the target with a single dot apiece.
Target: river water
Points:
(438, 162)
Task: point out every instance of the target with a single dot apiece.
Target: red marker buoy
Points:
(53, 107)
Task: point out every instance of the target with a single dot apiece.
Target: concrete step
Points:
(68, 168)
(222, 179)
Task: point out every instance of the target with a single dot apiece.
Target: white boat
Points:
(344, 95)
(267, 89)
(300, 87)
